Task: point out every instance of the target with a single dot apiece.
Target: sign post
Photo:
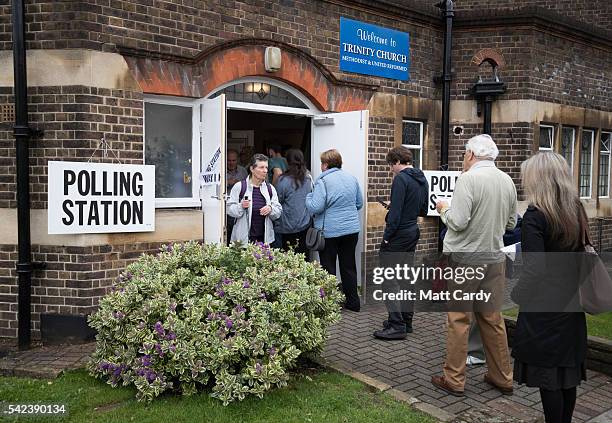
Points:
(100, 198)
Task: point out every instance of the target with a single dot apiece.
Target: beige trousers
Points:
(492, 331)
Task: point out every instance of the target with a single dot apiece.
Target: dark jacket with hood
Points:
(409, 192)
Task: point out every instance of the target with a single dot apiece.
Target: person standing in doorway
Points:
(335, 203)
(235, 173)
(293, 187)
(254, 204)
(409, 192)
(277, 164)
(483, 207)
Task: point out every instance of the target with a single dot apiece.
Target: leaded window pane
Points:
(603, 189)
(260, 93)
(412, 137)
(586, 161)
(567, 145)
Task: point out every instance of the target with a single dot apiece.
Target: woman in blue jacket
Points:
(335, 202)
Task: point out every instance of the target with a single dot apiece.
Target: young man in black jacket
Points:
(409, 192)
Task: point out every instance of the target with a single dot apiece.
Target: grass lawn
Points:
(600, 325)
(321, 397)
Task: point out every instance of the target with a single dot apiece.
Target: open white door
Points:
(348, 133)
(211, 124)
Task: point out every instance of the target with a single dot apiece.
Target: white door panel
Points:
(348, 133)
(211, 125)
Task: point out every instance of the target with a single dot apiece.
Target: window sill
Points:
(173, 203)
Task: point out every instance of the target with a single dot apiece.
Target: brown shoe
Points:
(504, 391)
(440, 382)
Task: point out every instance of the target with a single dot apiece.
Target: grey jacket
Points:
(483, 207)
(243, 216)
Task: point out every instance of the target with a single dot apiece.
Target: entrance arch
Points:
(159, 73)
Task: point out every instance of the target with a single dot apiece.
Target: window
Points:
(586, 163)
(260, 93)
(412, 138)
(547, 136)
(603, 187)
(169, 145)
(568, 136)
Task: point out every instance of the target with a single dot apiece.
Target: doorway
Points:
(250, 132)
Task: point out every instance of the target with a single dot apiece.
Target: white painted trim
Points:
(552, 139)
(592, 160)
(421, 139)
(269, 81)
(571, 164)
(609, 154)
(194, 200)
(256, 107)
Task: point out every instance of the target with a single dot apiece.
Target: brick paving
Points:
(405, 366)
(45, 361)
(409, 364)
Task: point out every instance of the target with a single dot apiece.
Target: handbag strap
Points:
(325, 205)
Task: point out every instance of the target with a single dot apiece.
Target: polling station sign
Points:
(441, 187)
(100, 198)
(373, 50)
(211, 174)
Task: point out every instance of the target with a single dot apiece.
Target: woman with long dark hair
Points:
(550, 341)
(293, 186)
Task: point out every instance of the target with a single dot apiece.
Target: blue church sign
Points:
(373, 50)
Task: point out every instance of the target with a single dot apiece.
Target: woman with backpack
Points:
(254, 204)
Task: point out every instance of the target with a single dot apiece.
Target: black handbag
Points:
(315, 239)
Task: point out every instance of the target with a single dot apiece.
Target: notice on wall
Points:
(100, 198)
(211, 174)
(373, 50)
(441, 188)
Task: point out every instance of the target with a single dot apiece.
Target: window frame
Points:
(552, 138)
(421, 139)
(571, 164)
(592, 131)
(609, 154)
(194, 200)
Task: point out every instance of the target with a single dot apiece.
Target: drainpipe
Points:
(448, 11)
(22, 134)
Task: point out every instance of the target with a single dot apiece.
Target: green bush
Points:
(232, 319)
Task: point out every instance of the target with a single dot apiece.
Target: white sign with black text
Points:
(441, 187)
(100, 198)
(211, 174)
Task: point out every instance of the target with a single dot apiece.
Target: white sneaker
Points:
(474, 361)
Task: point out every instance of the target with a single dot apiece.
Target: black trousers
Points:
(399, 250)
(343, 248)
(298, 242)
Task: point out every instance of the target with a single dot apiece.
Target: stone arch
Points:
(198, 76)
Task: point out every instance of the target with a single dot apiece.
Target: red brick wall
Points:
(74, 119)
(73, 282)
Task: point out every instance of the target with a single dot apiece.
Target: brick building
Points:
(127, 71)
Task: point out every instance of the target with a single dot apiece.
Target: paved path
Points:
(409, 364)
(45, 362)
(405, 365)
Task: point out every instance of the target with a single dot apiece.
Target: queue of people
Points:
(280, 199)
(549, 348)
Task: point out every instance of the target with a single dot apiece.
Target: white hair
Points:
(483, 147)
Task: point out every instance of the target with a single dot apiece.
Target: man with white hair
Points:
(483, 207)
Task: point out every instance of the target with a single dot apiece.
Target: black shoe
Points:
(389, 334)
(386, 326)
